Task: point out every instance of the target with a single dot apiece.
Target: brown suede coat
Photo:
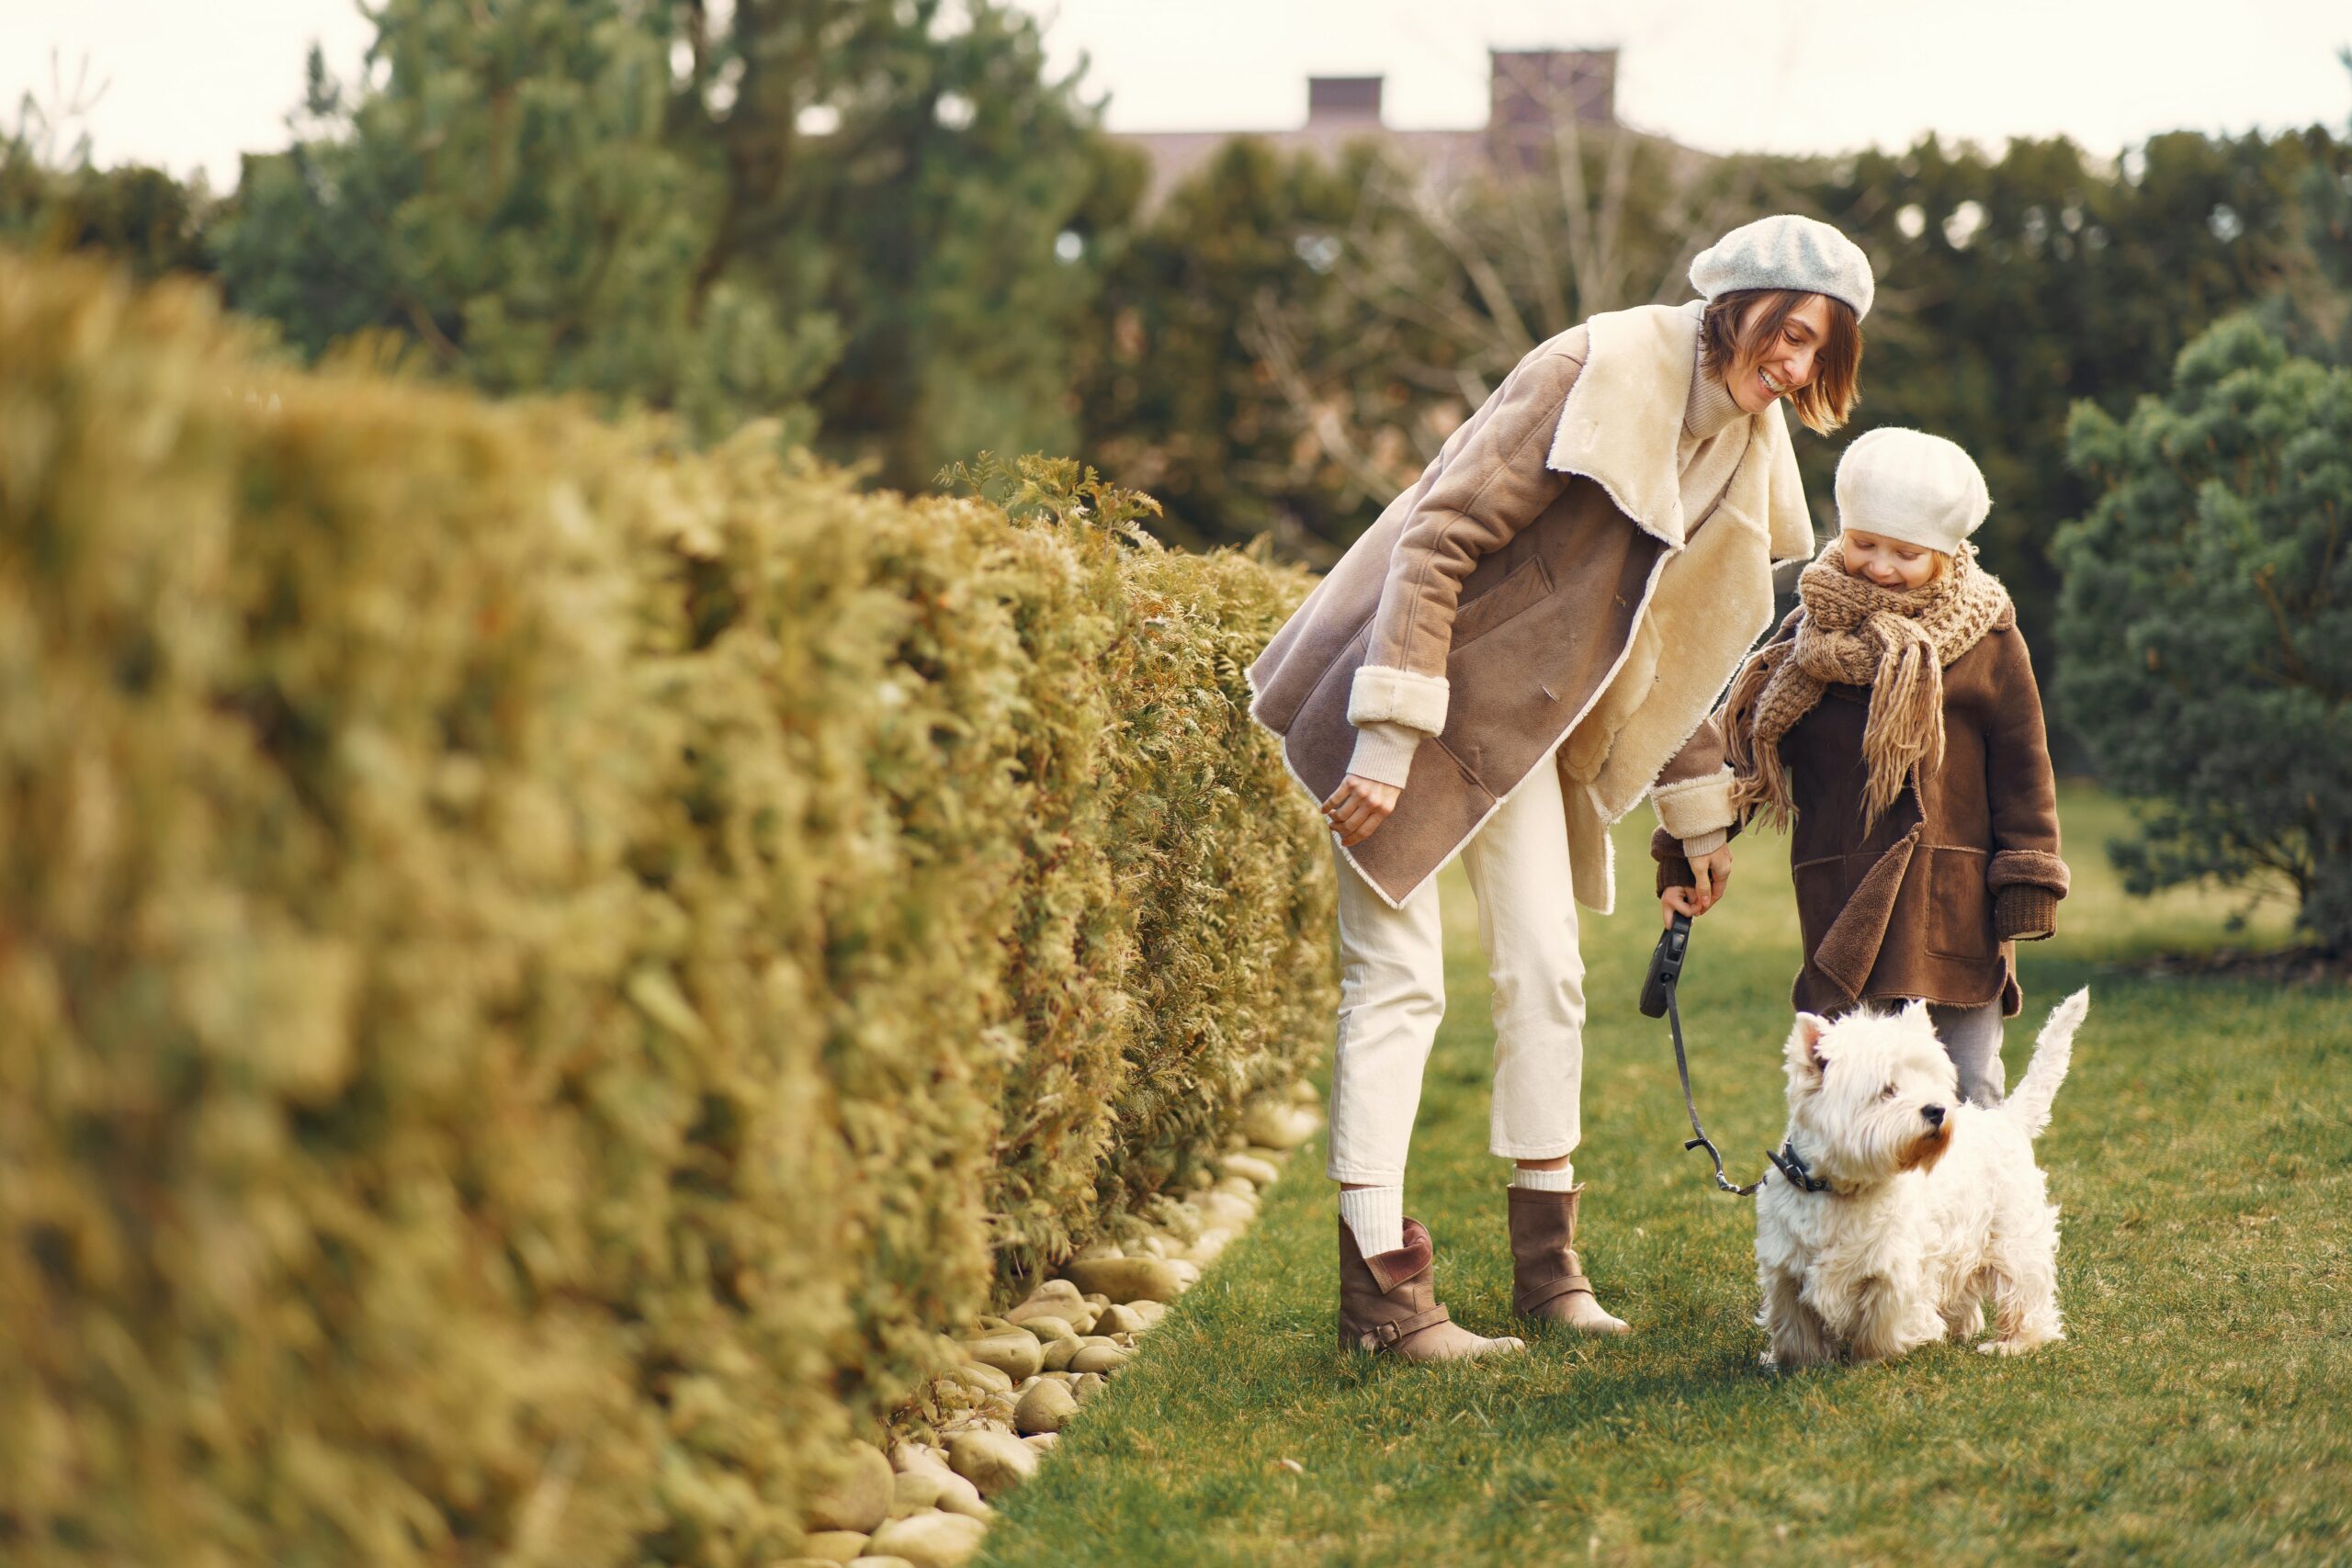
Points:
(1541, 578)
(1926, 902)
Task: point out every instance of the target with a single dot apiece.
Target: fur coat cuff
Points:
(1693, 808)
(2032, 867)
(1383, 695)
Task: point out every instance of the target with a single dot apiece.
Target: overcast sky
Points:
(191, 85)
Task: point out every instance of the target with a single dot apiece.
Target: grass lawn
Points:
(2200, 1410)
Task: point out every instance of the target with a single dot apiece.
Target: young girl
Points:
(1894, 725)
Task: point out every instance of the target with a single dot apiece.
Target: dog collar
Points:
(1793, 1168)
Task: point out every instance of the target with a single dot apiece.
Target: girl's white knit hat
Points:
(1787, 251)
(1908, 485)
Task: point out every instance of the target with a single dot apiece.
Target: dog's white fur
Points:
(1933, 1205)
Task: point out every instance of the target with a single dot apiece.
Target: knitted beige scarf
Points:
(1855, 632)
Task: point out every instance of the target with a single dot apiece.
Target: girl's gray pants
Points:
(1971, 1038)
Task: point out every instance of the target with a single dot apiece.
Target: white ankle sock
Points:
(1561, 1180)
(1376, 1215)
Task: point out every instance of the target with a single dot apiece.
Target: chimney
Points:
(1344, 101)
(1535, 89)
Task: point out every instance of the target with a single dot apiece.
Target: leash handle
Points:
(1664, 980)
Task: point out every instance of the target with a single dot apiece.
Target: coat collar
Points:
(1624, 418)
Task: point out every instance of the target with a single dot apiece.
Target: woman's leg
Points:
(1527, 917)
(1518, 863)
(1392, 996)
(1971, 1038)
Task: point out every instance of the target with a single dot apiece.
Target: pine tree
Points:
(2205, 621)
(506, 196)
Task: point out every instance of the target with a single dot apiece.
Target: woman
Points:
(1526, 643)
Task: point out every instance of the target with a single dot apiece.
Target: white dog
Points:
(1897, 1210)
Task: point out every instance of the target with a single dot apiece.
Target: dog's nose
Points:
(1934, 1114)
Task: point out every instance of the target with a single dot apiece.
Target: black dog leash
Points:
(1658, 999)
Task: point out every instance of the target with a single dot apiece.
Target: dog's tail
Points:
(2030, 1106)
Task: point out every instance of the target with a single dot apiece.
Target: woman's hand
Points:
(1359, 806)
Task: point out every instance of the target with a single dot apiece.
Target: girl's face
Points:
(1890, 563)
(1787, 363)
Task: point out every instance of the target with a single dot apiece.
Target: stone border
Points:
(980, 1430)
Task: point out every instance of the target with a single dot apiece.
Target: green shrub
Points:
(2207, 630)
(540, 972)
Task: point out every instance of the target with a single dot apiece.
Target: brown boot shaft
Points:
(1547, 1277)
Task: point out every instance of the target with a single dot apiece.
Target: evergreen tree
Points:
(2205, 621)
(507, 196)
(908, 169)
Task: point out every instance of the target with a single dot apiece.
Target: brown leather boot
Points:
(1547, 1280)
(1389, 1303)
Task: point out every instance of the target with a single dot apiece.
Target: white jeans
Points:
(1392, 994)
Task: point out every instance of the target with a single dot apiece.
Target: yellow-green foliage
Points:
(538, 971)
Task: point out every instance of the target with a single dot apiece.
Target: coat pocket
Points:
(1526, 585)
(1960, 906)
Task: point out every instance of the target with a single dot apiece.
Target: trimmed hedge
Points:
(539, 971)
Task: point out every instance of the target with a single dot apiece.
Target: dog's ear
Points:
(1804, 1043)
(1915, 1013)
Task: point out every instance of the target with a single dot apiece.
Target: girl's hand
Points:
(1712, 873)
(1359, 806)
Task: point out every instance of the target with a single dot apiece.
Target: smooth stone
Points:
(1058, 1353)
(1198, 1179)
(1096, 1252)
(1153, 1247)
(931, 1541)
(1187, 1272)
(803, 1562)
(1054, 1290)
(1211, 1245)
(1303, 1092)
(880, 1563)
(955, 1494)
(1055, 1311)
(835, 1546)
(964, 1498)
(983, 1380)
(1227, 1210)
(994, 1462)
(1043, 1409)
(1280, 1126)
(1083, 1389)
(859, 1499)
(1152, 1313)
(918, 1456)
(1098, 1301)
(1120, 1320)
(1046, 1330)
(1015, 1353)
(993, 1323)
(1099, 1358)
(913, 1491)
(1043, 1441)
(1251, 1168)
(1129, 1278)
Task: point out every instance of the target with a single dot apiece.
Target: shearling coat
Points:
(1540, 578)
(1927, 902)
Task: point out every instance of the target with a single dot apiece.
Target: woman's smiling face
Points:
(1894, 564)
(1786, 363)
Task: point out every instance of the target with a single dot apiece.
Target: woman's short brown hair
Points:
(1823, 402)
